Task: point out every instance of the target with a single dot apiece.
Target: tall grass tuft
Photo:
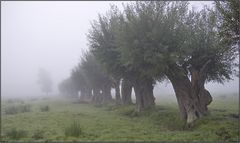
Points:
(73, 130)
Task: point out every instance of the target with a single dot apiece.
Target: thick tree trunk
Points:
(188, 101)
(96, 98)
(198, 80)
(117, 92)
(86, 95)
(126, 90)
(144, 94)
(106, 94)
(83, 94)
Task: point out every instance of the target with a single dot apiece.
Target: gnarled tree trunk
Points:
(188, 101)
(117, 92)
(106, 94)
(86, 95)
(126, 90)
(198, 80)
(144, 94)
(96, 98)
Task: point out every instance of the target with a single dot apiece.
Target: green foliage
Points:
(228, 14)
(102, 41)
(45, 108)
(16, 134)
(74, 129)
(147, 38)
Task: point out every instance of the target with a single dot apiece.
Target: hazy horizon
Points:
(52, 35)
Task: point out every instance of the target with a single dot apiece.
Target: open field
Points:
(60, 119)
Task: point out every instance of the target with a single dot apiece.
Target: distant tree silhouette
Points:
(45, 81)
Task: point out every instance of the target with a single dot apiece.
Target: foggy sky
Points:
(52, 35)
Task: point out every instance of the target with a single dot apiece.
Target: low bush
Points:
(15, 100)
(73, 130)
(223, 134)
(11, 110)
(16, 134)
(38, 134)
(17, 109)
(24, 108)
(45, 108)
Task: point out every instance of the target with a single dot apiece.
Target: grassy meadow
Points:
(61, 119)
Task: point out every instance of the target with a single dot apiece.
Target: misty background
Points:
(52, 35)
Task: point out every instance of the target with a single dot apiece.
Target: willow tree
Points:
(102, 41)
(135, 46)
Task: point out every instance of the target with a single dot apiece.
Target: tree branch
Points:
(204, 67)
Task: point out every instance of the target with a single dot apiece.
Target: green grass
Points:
(117, 123)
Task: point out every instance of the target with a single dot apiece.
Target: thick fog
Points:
(52, 35)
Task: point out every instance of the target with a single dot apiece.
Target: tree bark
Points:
(106, 94)
(188, 101)
(83, 94)
(86, 95)
(198, 80)
(117, 92)
(96, 99)
(126, 90)
(144, 94)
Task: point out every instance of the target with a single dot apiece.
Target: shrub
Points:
(44, 108)
(15, 100)
(24, 108)
(73, 130)
(16, 134)
(223, 134)
(11, 110)
(17, 109)
(38, 134)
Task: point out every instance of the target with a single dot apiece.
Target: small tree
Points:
(44, 81)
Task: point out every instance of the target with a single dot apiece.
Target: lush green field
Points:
(58, 119)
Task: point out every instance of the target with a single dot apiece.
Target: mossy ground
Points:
(118, 123)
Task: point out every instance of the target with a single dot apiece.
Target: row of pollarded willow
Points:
(94, 84)
(155, 40)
